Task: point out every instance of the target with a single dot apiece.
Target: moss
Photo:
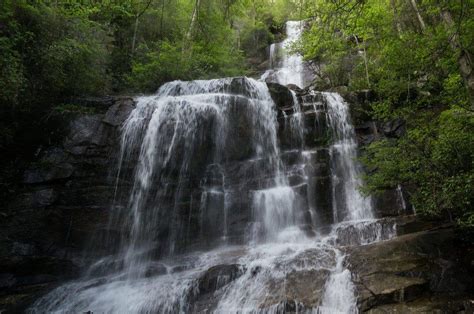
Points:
(73, 108)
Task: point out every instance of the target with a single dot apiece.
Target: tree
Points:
(419, 60)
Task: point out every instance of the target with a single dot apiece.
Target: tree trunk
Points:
(396, 18)
(464, 59)
(192, 23)
(194, 17)
(161, 18)
(365, 60)
(135, 30)
(418, 15)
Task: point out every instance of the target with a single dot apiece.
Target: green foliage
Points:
(73, 108)
(256, 39)
(12, 80)
(54, 51)
(212, 52)
(414, 70)
(436, 157)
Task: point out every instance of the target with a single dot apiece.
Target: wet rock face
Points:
(65, 199)
(413, 272)
(219, 276)
(74, 181)
(281, 95)
(389, 204)
(294, 288)
(297, 291)
(368, 130)
(23, 278)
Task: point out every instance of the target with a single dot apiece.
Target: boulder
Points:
(295, 88)
(366, 132)
(411, 267)
(389, 203)
(393, 128)
(44, 172)
(302, 289)
(218, 276)
(282, 96)
(86, 131)
(119, 112)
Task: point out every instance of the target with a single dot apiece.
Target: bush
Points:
(435, 160)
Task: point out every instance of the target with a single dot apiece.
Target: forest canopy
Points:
(416, 57)
(54, 51)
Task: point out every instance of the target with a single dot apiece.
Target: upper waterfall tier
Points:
(285, 67)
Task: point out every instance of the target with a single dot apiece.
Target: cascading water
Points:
(351, 205)
(286, 68)
(218, 215)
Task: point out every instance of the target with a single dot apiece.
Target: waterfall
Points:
(188, 130)
(339, 294)
(350, 205)
(216, 213)
(286, 68)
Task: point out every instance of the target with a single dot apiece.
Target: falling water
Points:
(188, 131)
(339, 294)
(286, 68)
(350, 204)
(401, 198)
(215, 216)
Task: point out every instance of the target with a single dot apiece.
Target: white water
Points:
(273, 212)
(286, 68)
(280, 264)
(179, 118)
(339, 294)
(351, 205)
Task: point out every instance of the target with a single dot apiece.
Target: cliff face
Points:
(421, 271)
(63, 202)
(67, 195)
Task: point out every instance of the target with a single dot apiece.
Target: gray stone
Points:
(119, 112)
(46, 172)
(282, 96)
(410, 267)
(7, 280)
(388, 203)
(83, 131)
(35, 199)
(218, 276)
(394, 128)
(22, 249)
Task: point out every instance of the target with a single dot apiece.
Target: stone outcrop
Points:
(64, 201)
(424, 269)
(218, 276)
(428, 270)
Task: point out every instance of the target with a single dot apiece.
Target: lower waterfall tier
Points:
(293, 273)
